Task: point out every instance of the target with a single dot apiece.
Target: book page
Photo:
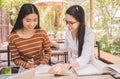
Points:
(115, 67)
(99, 64)
(106, 68)
(97, 67)
(89, 69)
(112, 69)
(42, 70)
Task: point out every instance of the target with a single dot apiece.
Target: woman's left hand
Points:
(59, 68)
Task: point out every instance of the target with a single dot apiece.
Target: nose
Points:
(69, 27)
(32, 23)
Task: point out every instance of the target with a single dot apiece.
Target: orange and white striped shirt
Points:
(36, 47)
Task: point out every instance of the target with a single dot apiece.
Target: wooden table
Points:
(75, 77)
(63, 77)
(30, 75)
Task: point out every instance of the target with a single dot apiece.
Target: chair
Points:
(98, 48)
(3, 51)
(61, 57)
(8, 55)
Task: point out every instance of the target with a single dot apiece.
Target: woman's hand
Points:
(59, 68)
(54, 44)
(31, 64)
(75, 64)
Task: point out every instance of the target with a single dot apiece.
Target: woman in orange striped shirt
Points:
(29, 44)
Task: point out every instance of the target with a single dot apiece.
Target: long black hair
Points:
(25, 10)
(78, 13)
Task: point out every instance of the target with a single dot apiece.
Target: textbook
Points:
(97, 68)
(42, 70)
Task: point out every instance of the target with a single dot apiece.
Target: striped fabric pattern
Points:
(36, 47)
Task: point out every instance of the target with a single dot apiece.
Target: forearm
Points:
(24, 64)
(55, 44)
(74, 64)
(20, 62)
(68, 66)
(46, 58)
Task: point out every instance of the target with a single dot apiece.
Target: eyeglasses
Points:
(70, 23)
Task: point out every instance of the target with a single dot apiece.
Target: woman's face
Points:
(30, 21)
(72, 23)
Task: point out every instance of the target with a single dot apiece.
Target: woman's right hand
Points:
(59, 68)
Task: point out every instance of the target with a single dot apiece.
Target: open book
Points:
(98, 67)
(43, 70)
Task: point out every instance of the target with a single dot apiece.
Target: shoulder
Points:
(88, 29)
(12, 36)
(41, 31)
(88, 32)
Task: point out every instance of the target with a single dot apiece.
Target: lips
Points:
(31, 27)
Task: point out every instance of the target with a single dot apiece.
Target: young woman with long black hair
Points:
(79, 39)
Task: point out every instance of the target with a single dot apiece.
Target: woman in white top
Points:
(79, 39)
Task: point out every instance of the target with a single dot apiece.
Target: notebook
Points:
(97, 68)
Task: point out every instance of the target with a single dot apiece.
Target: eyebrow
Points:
(70, 21)
(30, 18)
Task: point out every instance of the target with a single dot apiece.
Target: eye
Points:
(35, 20)
(71, 23)
(27, 20)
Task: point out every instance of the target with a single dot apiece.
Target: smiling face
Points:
(30, 21)
(72, 23)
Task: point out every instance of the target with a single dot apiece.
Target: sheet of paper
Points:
(42, 70)
(97, 67)
(87, 70)
(27, 74)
